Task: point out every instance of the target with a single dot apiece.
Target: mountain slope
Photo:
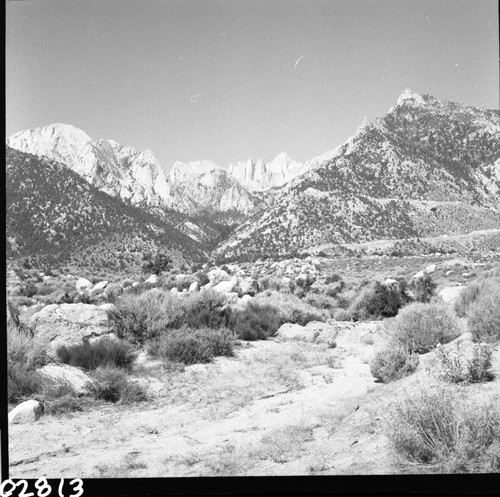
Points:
(193, 196)
(427, 168)
(53, 214)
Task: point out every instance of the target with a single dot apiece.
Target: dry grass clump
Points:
(393, 362)
(420, 327)
(445, 432)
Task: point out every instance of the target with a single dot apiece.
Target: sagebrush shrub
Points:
(192, 346)
(333, 278)
(156, 264)
(420, 327)
(255, 322)
(469, 295)
(202, 278)
(22, 381)
(207, 308)
(28, 290)
(321, 301)
(444, 432)
(103, 352)
(343, 315)
(393, 362)
(484, 318)
(145, 316)
(113, 384)
(24, 354)
(291, 308)
(454, 367)
(379, 301)
(423, 289)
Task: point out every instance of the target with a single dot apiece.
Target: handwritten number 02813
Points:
(42, 486)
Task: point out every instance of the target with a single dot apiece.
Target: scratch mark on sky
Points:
(298, 60)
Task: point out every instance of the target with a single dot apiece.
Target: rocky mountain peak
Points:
(60, 142)
(409, 97)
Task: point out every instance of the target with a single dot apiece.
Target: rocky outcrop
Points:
(68, 324)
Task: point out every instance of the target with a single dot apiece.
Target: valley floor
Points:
(279, 407)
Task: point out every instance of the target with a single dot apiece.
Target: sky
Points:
(231, 80)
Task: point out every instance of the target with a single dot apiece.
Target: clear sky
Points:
(229, 80)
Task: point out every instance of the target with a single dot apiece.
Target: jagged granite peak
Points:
(202, 187)
(259, 176)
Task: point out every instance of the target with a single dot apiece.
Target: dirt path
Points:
(277, 408)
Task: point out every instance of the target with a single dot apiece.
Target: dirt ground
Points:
(279, 407)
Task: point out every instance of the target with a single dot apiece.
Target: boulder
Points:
(232, 298)
(249, 286)
(226, 286)
(430, 268)
(61, 374)
(450, 294)
(244, 301)
(70, 323)
(98, 287)
(113, 290)
(217, 275)
(152, 280)
(418, 275)
(83, 284)
(194, 287)
(174, 291)
(390, 282)
(26, 412)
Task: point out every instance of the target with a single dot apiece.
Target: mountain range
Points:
(428, 167)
